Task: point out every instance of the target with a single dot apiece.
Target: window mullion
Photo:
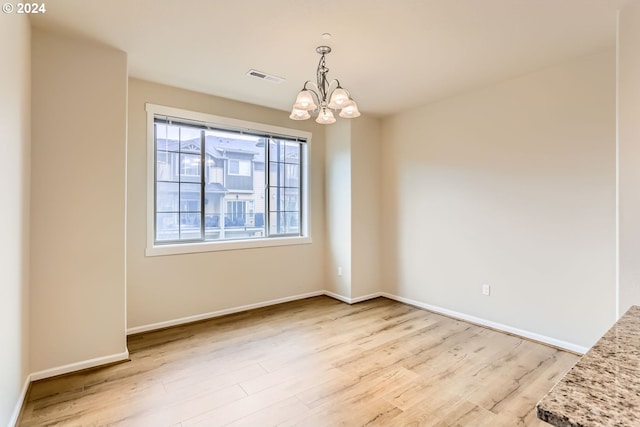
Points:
(202, 185)
(267, 201)
(179, 188)
(155, 182)
(279, 188)
(301, 185)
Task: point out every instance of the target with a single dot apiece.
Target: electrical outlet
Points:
(486, 289)
(339, 271)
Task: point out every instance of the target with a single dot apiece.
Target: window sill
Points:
(190, 248)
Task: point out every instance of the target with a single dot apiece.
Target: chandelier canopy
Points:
(323, 97)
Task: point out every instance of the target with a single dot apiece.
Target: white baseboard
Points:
(493, 325)
(337, 296)
(366, 297)
(352, 300)
(125, 355)
(210, 315)
(472, 319)
(85, 364)
(479, 321)
(23, 395)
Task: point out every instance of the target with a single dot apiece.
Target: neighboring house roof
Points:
(218, 147)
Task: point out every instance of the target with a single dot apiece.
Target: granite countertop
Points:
(603, 388)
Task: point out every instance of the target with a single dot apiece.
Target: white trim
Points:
(352, 300)
(85, 364)
(138, 329)
(617, 199)
(490, 324)
(191, 248)
(461, 316)
(224, 121)
(150, 178)
(23, 395)
(160, 325)
(126, 226)
(339, 297)
(210, 315)
(184, 248)
(366, 297)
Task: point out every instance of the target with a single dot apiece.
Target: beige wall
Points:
(165, 288)
(366, 166)
(338, 208)
(78, 201)
(353, 208)
(629, 154)
(15, 81)
(513, 186)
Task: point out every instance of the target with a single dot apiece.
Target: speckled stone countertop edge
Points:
(603, 388)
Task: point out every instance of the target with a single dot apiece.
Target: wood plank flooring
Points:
(313, 362)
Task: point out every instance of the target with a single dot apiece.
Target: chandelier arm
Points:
(313, 88)
(325, 93)
(348, 93)
(330, 90)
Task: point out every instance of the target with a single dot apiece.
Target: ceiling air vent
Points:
(265, 76)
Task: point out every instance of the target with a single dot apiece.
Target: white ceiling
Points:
(391, 54)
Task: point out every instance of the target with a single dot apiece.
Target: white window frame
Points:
(153, 249)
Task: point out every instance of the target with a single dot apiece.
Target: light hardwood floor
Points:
(314, 362)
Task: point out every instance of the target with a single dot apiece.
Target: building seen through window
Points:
(215, 184)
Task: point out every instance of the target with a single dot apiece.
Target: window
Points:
(217, 183)
(239, 167)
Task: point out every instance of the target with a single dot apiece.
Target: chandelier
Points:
(323, 97)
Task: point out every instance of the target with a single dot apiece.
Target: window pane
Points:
(190, 167)
(190, 226)
(292, 152)
(284, 187)
(161, 136)
(276, 223)
(166, 166)
(173, 136)
(167, 227)
(167, 197)
(292, 175)
(276, 199)
(233, 178)
(190, 140)
(276, 150)
(276, 174)
(212, 221)
(190, 198)
(291, 199)
(292, 222)
(167, 137)
(234, 198)
(284, 223)
(212, 202)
